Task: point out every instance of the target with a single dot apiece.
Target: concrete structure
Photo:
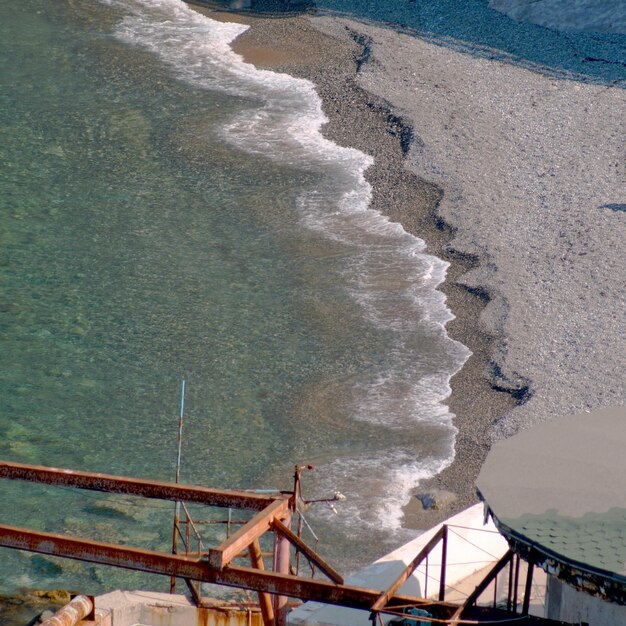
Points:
(146, 608)
(473, 547)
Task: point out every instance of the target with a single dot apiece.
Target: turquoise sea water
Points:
(169, 212)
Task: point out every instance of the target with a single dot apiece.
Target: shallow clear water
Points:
(169, 212)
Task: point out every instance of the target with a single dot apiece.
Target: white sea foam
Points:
(388, 274)
(377, 487)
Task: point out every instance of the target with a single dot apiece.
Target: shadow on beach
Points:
(265, 8)
(474, 27)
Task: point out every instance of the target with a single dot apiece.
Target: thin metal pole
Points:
(528, 589)
(444, 564)
(180, 428)
(516, 584)
(509, 597)
(300, 524)
(177, 504)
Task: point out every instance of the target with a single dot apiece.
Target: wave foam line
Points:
(388, 274)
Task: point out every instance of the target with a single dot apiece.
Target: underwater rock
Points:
(436, 500)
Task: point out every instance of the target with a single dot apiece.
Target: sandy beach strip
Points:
(515, 178)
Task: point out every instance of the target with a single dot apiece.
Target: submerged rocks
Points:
(436, 499)
(29, 607)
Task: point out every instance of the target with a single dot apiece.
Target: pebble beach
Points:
(438, 268)
(513, 175)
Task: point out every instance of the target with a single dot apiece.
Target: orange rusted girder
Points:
(310, 554)
(259, 524)
(135, 486)
(184, 567)
(265, 601)
(384, 597)
(72, 613)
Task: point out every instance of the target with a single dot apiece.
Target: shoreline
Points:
(510, 175)
(295, 46)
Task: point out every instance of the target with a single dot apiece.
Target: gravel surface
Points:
(516, 178)
(532, 169)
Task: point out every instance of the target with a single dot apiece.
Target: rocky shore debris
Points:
(436, 499)
(31, 606)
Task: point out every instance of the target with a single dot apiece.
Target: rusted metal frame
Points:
(183, 567)
(385, 596)
(282, 565)
(444, 563)
(308, 552)
(516, 583)
(240, 540)
(473, 597)
(509, 596)
(528, 588)
(495, 591)
(194, 527)
(318, 590)
(103, 553)
(175, 533)
(265, 600)
(195, 594)
(134, 486)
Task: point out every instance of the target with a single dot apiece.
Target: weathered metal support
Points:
(528, 589)
(444, 562)
(509, 596)
(309, 553)
(72, 613)
(265, 600)
(385, 596)
(516, 583)
(194, 569)
(135, 486)
(195, 593)
(282, 562)
(240, 540)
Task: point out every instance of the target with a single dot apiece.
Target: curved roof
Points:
(558, 492)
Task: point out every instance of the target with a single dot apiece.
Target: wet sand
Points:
(504, 172)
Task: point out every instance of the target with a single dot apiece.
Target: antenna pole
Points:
(180, 428)
(177, 505)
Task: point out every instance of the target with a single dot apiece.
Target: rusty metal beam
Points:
(259, 524)
(385, 596)
(265, 600)
(136, 487)
(318, 590)
(282, 565)
(309, 553)
(183, 567)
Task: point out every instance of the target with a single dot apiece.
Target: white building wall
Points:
(569, 605)
(472, 545)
